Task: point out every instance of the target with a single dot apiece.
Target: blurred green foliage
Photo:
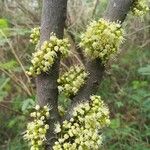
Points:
(144, 70)
(127, 93)
(3, 23)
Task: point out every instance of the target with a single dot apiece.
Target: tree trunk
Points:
(53, 20)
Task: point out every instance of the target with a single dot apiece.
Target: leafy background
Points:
(125, 86)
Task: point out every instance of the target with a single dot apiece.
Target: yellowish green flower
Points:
(71, 81)
(102, 39)
(140, 7)
(84, 130)
(37, 128)
(44, 58)
(35, 35)
(61, 110)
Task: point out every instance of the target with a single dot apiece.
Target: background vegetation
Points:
(125, 88)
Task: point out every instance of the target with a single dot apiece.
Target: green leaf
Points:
(27, 104)
(115, 123)
(3, 84)
(10, 65)
(17, 31)
(146, 105)
(119, 104)
(2, 41)
(3, 23)
(144, 70)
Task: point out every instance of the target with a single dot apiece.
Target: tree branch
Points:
(77, 48)
(53, 20)
(116, 11)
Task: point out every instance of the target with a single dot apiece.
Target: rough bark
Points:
(115, 11)
(53, 20)
(118, 10)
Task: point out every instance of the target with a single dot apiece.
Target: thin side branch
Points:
(77, 48)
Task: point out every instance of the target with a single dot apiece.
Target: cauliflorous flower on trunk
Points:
(44, 58)
(35, 35)
(139, 8)
(84, 130)
(102, 39)
(71, 81)
(37, 128)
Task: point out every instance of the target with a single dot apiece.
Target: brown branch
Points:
(53, 20)
(76, 47)
(10, 109)
(17, 81)
(116, 11)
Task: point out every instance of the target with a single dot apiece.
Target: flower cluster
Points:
(140, 7)
(70, 82)
(83, 130)
(61, 110)
(44, 58)
(36, 129)
(35, 35)
(102, 39)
